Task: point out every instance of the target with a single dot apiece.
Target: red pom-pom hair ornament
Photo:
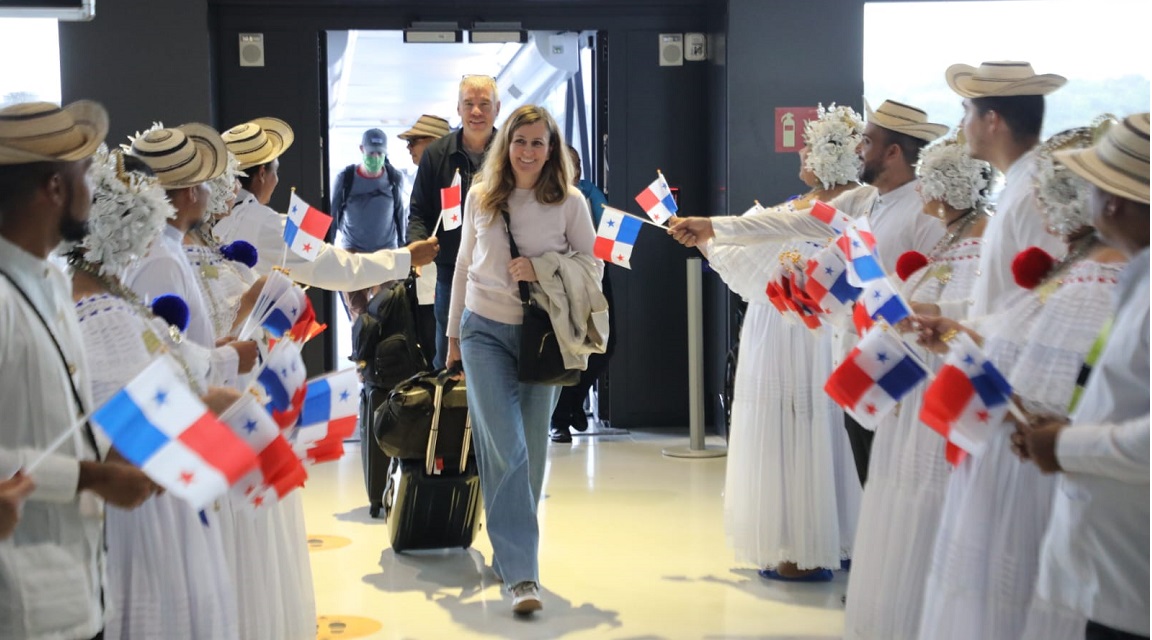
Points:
(1031, 265)
(910, 262)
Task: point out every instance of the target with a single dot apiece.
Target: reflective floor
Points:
(632, 548)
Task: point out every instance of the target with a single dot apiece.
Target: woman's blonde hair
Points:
(496, 178)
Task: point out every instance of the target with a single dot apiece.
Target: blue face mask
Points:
(373, 163)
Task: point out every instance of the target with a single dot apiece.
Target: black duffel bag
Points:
(403, 422)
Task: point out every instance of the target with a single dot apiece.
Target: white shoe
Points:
(526, 598)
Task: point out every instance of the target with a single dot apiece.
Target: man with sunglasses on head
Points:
(462, 150)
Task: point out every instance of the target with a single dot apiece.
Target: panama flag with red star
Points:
(331, 408)
(306, 228)
(451, 215)
(158, 424)
(875, 376)
(616, 236)
(967, 401)
(252, 424)
(657, 201)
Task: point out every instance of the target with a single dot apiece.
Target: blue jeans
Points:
(510, 429)
(440, 309)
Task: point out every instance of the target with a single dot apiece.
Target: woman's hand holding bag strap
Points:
(540, 359)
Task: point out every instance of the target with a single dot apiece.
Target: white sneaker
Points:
(526, 598)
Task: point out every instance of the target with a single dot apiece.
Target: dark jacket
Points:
(438, 166)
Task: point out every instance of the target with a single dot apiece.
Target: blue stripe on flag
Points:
(277, 323)
(629, 230)
(275, 388)
(901, 378)
(317, 404)
(128, 428)
(867, 268)
(843, 291)
(991, 386)
(290, 230)
(669, 203)
(893, 310)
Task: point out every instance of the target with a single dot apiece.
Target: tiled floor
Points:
(632, 547)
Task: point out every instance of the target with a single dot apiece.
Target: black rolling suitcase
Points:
(435, 501)
(377, 465)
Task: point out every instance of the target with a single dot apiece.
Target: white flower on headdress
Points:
(223, 187)
(831, 140)
(948, 174)
(1064, 196)
(128, 211)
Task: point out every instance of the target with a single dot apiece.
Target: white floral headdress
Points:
(1064, 196)
(128, 211)
(948, 174)
(831, 140)
(223, 187)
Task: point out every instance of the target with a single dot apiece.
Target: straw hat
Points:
(1118, 162)
(183, 156)
(906, 119)
(44, 132)
(428, 126)
(1001, 79)
(259, 141)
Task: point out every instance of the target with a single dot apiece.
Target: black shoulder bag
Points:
(540, 359)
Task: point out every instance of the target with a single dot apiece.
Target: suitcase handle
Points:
(442, 379)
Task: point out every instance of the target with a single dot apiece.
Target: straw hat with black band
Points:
(428, 126)
(998, 79)
(183, 156)
(45, 132)
(259, 141)
(1118, 162)
(905, 119)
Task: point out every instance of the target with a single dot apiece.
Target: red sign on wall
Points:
(790, 127)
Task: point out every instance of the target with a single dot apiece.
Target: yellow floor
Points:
(632, 546)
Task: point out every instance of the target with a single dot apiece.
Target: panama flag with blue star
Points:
(279, 467)
(616, 236)
(329, 416)
(875, 376)
(158, 424)
(305, 228)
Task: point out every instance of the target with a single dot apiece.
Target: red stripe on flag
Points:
(953, 454)
(945, 399)
(342, 427)
(282, 486)
(848, 383)
(603, 248)
(823, 212)
(647, 200)
(219, 447)
(315, 223)
(450, 197)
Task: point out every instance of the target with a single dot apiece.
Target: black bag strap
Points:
(394, 180)
(63, 361)
(525, 292)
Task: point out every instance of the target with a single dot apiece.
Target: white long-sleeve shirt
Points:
(334, 268)
(1094, 558)
(50, 569)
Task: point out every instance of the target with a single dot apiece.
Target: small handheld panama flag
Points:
(874, 377)
(305, 228)
(831, 216)
(277, 462)
(827, 281)
(284, 378)
(882, 300)
(451, 215)
(158, 424)
(616, 236)
(967, 401)
(859, 247)
(657, 200)
(329, 416)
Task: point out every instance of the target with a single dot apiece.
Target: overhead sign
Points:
(790, 127)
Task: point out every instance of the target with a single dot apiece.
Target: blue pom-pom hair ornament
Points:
(242, 252)
(173, 310)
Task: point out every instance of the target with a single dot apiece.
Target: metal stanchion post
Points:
(696, 447)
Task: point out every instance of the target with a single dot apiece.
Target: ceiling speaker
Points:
(251, 49)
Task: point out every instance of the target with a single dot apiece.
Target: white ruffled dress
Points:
(907, 477)
(790, 492)
(996, 508)
(166, 571)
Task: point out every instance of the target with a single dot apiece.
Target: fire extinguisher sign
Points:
(790, 127)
